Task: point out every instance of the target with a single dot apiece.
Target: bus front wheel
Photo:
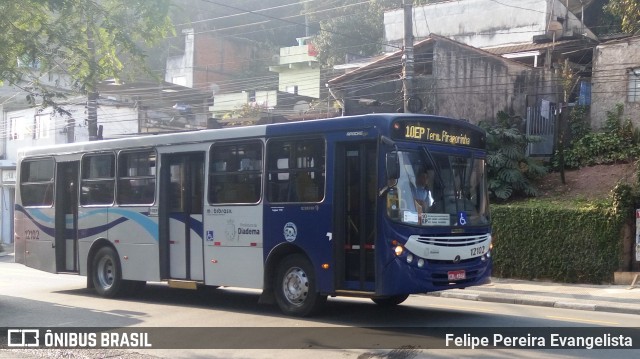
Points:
(107, 274)
(390, 301)
(296, 292)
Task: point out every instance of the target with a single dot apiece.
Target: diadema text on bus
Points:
(301, 210)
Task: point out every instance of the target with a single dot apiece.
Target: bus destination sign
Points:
(452, 134)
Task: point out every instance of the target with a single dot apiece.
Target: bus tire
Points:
(107, 273)
(296, 290)
(390, 301)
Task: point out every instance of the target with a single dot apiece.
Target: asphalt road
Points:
(30, 298)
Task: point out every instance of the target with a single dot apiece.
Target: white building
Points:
(488, 23)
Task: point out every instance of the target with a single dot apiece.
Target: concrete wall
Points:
(227, 102)
(610, 80)
(307, 80)
(471, 85)
(483, 23)
(267, 98)
(179, 69)
(295, 54)
(465, 83)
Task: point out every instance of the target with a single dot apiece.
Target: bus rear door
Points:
(66, 216)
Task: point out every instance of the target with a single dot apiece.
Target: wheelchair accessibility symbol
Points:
(462, 218)
(209, 236)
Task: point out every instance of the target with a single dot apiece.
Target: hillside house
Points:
(298, 85)
(489, 23)
(451, 79)
(616, 80)
(212, 63)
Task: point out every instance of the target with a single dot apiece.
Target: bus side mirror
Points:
(393, 166)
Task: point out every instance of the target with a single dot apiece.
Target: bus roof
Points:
(205, 135)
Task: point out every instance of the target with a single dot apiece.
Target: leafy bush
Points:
(617, 142)
(510, 171)
(563, 242)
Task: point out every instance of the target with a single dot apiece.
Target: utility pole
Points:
(407, 57)
(92, 92)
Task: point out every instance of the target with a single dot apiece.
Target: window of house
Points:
(295, 170)
(17, 128)
(235, 173)
(41, 126)
(136, 177)
(36, 182)
(98, 179)
(634, 85)
(292, 89)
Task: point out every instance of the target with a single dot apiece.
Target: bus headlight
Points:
(420, 263)
(409, 258)
(398, 250)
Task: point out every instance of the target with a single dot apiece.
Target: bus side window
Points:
(296, 170)
(36, 182)
(235, 173)
(98, 178)
(136, 177)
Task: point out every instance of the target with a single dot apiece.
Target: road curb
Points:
(576, 306)
(510, 298)
(455, 295)
(615, 309)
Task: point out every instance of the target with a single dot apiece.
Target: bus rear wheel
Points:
(296, 291)
(390, 301)
(107, 273)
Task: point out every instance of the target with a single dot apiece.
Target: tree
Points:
(354, 28)
(510, 171)
(350, 27)
(628, 11)
(89, 40)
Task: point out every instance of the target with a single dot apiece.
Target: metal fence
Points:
(541, 123)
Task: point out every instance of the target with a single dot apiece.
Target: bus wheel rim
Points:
(105, 272)
(295, 286)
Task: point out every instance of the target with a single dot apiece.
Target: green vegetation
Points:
(628, 11)
(616, 142)
(350, 27)
(87, 40)
(565, 242)
(572, 240)
(511, 173)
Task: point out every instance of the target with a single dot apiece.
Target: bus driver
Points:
(422, 194)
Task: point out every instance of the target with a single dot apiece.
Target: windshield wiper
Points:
(435, 166)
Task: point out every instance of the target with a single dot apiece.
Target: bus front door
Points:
(182, 195)
(355, 232)
(66, 218)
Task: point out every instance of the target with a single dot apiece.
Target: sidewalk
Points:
(601, 298)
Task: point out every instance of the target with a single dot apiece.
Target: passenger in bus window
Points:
(422, 194)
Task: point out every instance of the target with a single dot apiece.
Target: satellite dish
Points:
(555, 30)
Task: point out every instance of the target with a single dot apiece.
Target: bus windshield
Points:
(437, 189)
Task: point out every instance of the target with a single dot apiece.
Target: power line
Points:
(288, 21)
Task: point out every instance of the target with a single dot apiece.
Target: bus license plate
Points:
(457, 275)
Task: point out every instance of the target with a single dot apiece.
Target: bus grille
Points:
(453, 241)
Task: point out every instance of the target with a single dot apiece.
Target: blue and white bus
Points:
(300, 210)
